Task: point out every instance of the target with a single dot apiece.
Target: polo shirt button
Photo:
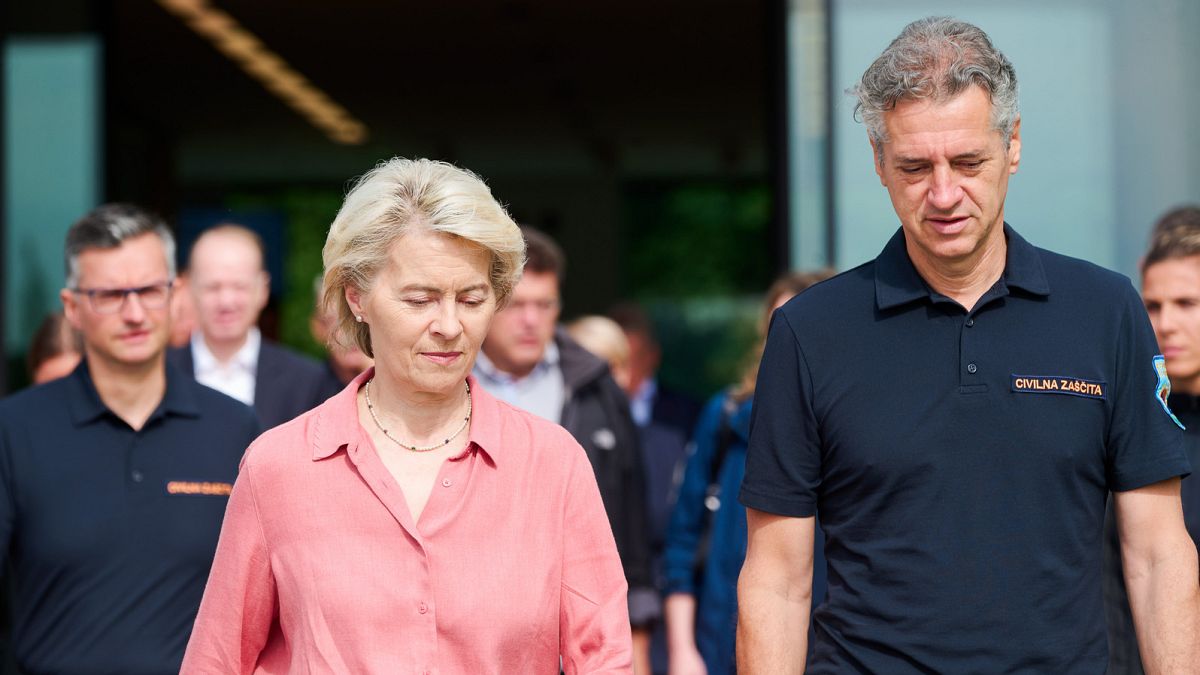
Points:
(136, 476)
(422, 608)
(970, 322)
(971, 368)
(446, 482)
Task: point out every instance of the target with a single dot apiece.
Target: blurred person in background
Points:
(1171, 292)
(413, 523)
(529, 362)
(706, 537)
(602, 337)
(649, 400)
(114, 479)
(665, 420)
(345, 361)
(230, 287)
(55, 349)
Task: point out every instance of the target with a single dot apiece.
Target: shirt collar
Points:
(245, 358)
(647, 390)
(336, 424)
(897, 281)
(489, 371)
(86, 405)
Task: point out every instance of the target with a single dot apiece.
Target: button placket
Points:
(135, 473)
(970, 374)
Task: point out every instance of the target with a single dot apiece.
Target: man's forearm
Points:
(1164, 595)
(772, 632)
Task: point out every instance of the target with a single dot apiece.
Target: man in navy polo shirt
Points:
(114, 479)
(958, 410)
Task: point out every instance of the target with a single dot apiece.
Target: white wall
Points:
(1109, 90)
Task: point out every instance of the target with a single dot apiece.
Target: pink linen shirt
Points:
(321, 569)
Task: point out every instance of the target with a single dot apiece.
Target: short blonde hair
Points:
(601, 336)
(399, 194)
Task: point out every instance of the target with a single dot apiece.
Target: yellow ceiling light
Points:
(264, 65)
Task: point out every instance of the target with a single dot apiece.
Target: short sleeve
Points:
(783, 459)
(1145, 441)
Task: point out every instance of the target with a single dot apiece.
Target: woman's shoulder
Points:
(305, 437)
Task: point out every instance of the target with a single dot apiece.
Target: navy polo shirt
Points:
(110, 532)
(960, 460)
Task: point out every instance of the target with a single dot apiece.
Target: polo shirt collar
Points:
(897, 281)
(86, 405)
(1024, 269)
(336, 425)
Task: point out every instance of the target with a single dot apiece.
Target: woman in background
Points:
(603, 337)
(706, 537)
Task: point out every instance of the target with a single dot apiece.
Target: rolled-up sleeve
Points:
(239, 604)
(594, 621)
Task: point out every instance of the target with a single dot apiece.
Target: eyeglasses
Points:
(111, 300)
(539, 305)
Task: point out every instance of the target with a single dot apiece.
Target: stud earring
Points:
(358, 318)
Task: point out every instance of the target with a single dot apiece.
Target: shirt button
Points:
(446, 482)
(136, 476)
(422, 608)
(971, 368)
(970, 322)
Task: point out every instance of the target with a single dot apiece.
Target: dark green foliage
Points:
(697, 256)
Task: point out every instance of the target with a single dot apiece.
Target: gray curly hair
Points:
(936, 58)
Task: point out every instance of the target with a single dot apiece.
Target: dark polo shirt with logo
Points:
(110, 532)
(960, 460)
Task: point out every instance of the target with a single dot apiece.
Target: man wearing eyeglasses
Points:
(114, 479)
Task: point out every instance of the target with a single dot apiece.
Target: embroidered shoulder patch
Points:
(1059, 384)
(1163, 390)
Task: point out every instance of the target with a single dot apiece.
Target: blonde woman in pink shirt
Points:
(413, 523)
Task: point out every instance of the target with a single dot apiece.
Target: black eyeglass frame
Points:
(124, 293)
